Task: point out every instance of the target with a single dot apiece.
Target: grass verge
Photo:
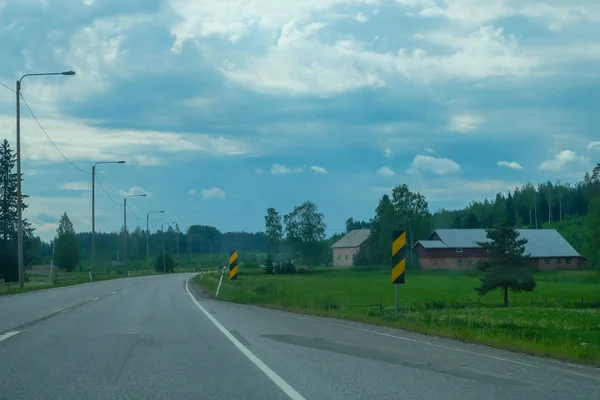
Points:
(41, 282)
(560, 319)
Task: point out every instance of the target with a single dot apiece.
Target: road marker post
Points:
(233, 265)
(220, 280)
(398, 260)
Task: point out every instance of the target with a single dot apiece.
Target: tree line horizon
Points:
(302, 232)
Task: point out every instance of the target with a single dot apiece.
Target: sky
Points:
(223, 108)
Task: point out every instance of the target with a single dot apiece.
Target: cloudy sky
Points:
(222, 108)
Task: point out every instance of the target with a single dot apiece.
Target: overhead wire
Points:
(134, 214)
(50, 139)
(9, 88)
(105, 192)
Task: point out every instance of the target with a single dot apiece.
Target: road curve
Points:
(150, 338)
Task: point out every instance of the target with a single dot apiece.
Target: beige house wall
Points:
(344, 257)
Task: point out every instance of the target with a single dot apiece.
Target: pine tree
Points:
(8, 217)
(67, 249)
(507, 267)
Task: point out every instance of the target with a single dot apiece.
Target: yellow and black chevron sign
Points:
(398, 256)
(233, 265)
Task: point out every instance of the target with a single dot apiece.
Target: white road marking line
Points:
(422, 341)
(7, 335)
(113, 292)
(96, 299)
(66, 310)
(283, 385)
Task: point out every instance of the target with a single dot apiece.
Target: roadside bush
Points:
(285, 268)
(169, 263)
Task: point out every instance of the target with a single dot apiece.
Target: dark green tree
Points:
(351, 225)
(9, 217)
(382, 226)
(305, 231)
(168, 265)
(507, 265)
(412, 216)
(470, 221)
(273, 230)
(67, 250)
(593, 232)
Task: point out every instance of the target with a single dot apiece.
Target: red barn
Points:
(458, 249)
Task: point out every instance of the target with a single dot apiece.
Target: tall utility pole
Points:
(94, 211)
(19, 176)
(148, 234)
(162, 229)
(125, 225)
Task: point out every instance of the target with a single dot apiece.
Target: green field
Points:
(560, 319)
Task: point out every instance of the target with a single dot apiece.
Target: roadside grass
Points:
(560, 319)
(41, 282)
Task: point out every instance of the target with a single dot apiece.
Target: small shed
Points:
(346, 248)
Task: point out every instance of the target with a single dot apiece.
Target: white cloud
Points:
(301, 64)
(135, 190)
(97, 52)
(511, 164)
(146, 160)
(214, 17)
(435, 165)
(197, 102)
(455, 190)
(476, 12)
(77, 207)
(213, 193)
(360, 17)
(279, 169)
(47, 229)
(386, 171)
(79, 186)
(430, 150)
(465, 123)
(594, 145)
(80, 141)
(563, 160)
(259, 170)
(318, 170)
(191, 192)
(387, 152)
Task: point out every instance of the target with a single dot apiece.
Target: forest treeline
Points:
(301, 233)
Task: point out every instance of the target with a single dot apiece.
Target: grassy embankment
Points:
(136, 267)
(40, 282)
(557, 320)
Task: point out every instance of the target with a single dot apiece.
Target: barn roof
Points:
(433, 244)
(352, 239)
(540, 242)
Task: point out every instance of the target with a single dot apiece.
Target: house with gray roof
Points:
(347, 247)
(458, 249)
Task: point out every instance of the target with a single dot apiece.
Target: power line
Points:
(105, 192)
(131, 211)
(9, 88)
(50, 139)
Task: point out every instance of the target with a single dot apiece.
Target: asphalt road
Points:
(150, 338)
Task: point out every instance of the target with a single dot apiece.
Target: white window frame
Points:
(459, 250)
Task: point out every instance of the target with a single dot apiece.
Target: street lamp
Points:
(94, 210)
(148, 234)
(19, 194)
(125, 224)
(162, 229)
